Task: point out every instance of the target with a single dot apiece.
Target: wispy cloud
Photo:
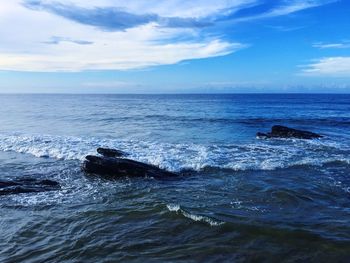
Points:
(285, 28)
(123, 35)
(112, 18)
(289, 7)
(266, 9)
(55, 40)
(330, 67)
(340, 45)
(116, 18)
(129, 56)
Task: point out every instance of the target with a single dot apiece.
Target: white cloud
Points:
(330, 67)
(26, 34)
(171, 8)
(295, 6)
(287, 8)
(340, 45)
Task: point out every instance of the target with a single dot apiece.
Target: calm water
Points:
(242, 199)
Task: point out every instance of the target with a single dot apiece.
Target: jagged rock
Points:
(279, 131)
(27, 185)
(122, 167)
(111, 152)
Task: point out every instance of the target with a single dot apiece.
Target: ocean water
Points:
(240, 198)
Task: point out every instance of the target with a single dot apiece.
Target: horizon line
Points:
(180, 93)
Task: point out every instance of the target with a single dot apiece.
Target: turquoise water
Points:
(240, 199)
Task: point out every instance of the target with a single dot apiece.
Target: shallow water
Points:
(240, 199)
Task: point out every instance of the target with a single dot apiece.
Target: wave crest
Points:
(258, 155)
(197, 218)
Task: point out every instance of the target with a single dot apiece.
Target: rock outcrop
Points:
(119, 167)
(27, 185)
(106, 152)
(279, 131)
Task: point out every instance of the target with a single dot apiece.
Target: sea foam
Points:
(198, 218)
(257, 155)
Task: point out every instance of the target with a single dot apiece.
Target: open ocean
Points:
(240, 199)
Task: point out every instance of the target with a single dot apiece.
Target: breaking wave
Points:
(257, 155)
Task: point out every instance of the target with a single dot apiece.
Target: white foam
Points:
(259, 155)
(173, 208)
(197, 218)
(72, 191)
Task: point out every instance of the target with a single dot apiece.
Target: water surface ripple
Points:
(239, 199)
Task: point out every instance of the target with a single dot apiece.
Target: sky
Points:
(174, 46)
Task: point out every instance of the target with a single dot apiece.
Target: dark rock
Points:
(119, 167)
(260, 134)
(279, 131)
(111, 152)
(27, 185)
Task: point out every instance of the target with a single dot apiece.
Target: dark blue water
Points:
(242, 198)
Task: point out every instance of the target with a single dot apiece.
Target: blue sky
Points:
(173, 46)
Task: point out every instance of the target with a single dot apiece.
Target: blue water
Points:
(240, 199)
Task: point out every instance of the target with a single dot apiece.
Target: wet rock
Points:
(118, 167)
(279, 131)
(27, 185)
(106, 152)
(262, 135)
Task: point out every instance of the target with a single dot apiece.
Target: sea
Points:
(238, 198)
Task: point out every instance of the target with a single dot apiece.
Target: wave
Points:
(197, 218)
(257, 155)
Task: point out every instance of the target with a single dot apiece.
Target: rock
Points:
(119, 167)
(111, 152)
(279, 131)
(260, 135)
(27, 185)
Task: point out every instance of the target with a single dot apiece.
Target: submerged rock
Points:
(111, 152)
(119, 167)
(27, 185)
(279, 131)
